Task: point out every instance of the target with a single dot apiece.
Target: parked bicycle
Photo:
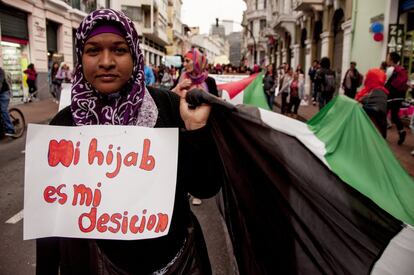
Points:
(19, 123)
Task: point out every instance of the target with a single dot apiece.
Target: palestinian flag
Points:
(327, 197)
(246, 91)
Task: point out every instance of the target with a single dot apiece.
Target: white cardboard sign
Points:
(104, 182)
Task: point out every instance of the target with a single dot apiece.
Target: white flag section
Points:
(65, 95)
(104, 182)
(226, 78)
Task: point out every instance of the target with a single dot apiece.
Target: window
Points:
(262, 24)
(264, 4)
(132, 12)
(257, 4)
(251, 28)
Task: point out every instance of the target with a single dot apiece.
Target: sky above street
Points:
(203, 13)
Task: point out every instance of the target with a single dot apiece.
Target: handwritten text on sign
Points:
(108, 182)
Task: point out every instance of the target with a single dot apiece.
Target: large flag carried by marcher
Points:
(327, 197)
(245, 91)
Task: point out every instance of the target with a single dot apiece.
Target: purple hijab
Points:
(132, 105)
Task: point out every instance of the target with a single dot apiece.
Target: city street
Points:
(18, 257)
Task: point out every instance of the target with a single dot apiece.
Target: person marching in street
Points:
(269, 85)
(397, 78)
(325, 81)
(352, 80)
(195, 76)
(31, 81)
(63, 75)
(109, 89)
(373, 97)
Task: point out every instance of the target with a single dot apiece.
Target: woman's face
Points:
(188, 64)
(107, 62)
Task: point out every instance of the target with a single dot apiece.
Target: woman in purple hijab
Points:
(108, 89)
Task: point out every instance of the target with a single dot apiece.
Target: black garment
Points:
(4, 86)
(294, 103)
(199, 173)
(212, 86)
(375, 105)
(32, 86)
(394, 106)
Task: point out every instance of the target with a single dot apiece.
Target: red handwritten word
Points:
(118, 222)
(147, 161)
(63, 152)
(82, 195)
(50, 192)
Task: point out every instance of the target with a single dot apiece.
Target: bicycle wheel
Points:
(18, 121)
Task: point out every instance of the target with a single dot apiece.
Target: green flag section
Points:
(358, 154)
(254, 93)
(246, 91)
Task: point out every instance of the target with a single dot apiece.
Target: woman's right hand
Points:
(182, 86)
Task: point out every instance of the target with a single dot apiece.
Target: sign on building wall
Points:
(395, 38)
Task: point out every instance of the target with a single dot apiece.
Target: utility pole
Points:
(254, 43)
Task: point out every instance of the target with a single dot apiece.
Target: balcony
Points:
(308, 5)
(254, 14)
(283, 19)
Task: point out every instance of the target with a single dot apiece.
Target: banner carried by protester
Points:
(248, 90)
(327, 197)
(112, 182)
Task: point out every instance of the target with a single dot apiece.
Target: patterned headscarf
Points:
(199, 74)
(132, 105)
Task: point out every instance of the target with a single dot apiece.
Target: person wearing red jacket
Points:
(31, 80)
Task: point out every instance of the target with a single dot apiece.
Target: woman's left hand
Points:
(193, 118)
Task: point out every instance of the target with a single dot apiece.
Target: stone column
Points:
(308, 63)
(326, 44)
(296, 55)
(284, 55)
(346, 55)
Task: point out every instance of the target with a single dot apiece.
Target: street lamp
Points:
(254, 43)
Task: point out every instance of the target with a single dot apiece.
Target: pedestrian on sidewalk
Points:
(397, 78)
(352, 80)
(31, 81)
(196, 77)
(284, 90)
(294, 98)
(109, 89)
(312, 72)
(301, 81)
(325, 80)
(373, 97)
(54, 84)
(5, 93)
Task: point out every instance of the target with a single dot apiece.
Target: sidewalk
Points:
(402, 152)
(37, 112)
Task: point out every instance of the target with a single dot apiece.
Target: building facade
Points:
(255, 23)
(42, 32)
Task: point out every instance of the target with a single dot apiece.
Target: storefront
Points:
(14, 46)
(405, 30)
